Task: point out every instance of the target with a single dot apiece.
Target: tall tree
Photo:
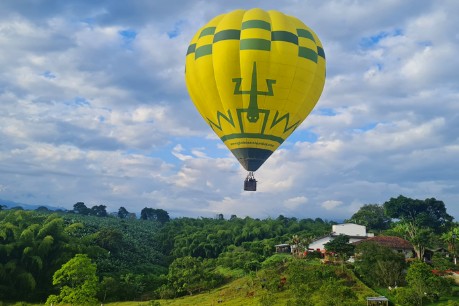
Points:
(42, 209)
(81, 208)
(77, 280)
(110, 239)
(372, 216)
(159, 215)
(419, 219)
(99, 211)
(340, 246)
(32, 247)
(300, 244)
(419, 213)
(378, 265)
(122, 213)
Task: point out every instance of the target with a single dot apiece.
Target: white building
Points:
(354, 231)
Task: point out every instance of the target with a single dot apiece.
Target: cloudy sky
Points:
(94, 108)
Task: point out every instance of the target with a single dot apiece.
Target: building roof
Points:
(388, 241)
(378, 299)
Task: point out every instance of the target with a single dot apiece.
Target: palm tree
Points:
(300, 244)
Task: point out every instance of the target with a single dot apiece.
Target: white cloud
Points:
(295, 202)
(87, 116)
(331, 204)
(177, 153)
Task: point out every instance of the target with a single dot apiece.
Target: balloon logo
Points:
(254, 76)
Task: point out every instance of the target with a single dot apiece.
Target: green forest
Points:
(87, 256)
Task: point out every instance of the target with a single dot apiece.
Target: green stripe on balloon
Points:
(255, 44)
(191, 49)
(227, 35)
(307, 53)
(207, 31)
(256, 24)
(203, 51)
(321, 52)
(284, 36)
(305, 34)
(252, 135)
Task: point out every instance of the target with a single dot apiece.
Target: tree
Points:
(42, 209)
(419, 220)
(132, 285)
(429, 213)
(186, 275)
(159, 215)
(238, 257)
(190, 275)
(378, 265)
(372, 216)
(340, 246)
(451, 238)
(32, 247)
(441, 263)
(108, 288)
(406, 296)
(80, 208)
(424, 283)
(110, 239)
(300, 244)
(162, 216)
(123, 213)
(422, 238)
(77, 280)
(147, 213)
(99, 211)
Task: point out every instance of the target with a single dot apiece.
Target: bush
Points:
(314, 255)
(442, 263)
(166, 292)
(276, 261)
(408, 297)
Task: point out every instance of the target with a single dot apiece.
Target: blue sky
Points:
(94, 108)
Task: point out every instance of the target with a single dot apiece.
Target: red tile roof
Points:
(388, 241)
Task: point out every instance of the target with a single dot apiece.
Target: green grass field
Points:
(247, 290)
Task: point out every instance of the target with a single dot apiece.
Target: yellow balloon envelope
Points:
(254, 76)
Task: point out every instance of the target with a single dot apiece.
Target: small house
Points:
(355, 233)
(429, 253)
(380, 300)
(283, 248)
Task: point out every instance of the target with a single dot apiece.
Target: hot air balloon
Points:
(254, 76)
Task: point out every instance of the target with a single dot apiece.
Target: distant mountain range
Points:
(11, 204)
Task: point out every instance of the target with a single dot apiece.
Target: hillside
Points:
(206, 260)
(285, 282)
